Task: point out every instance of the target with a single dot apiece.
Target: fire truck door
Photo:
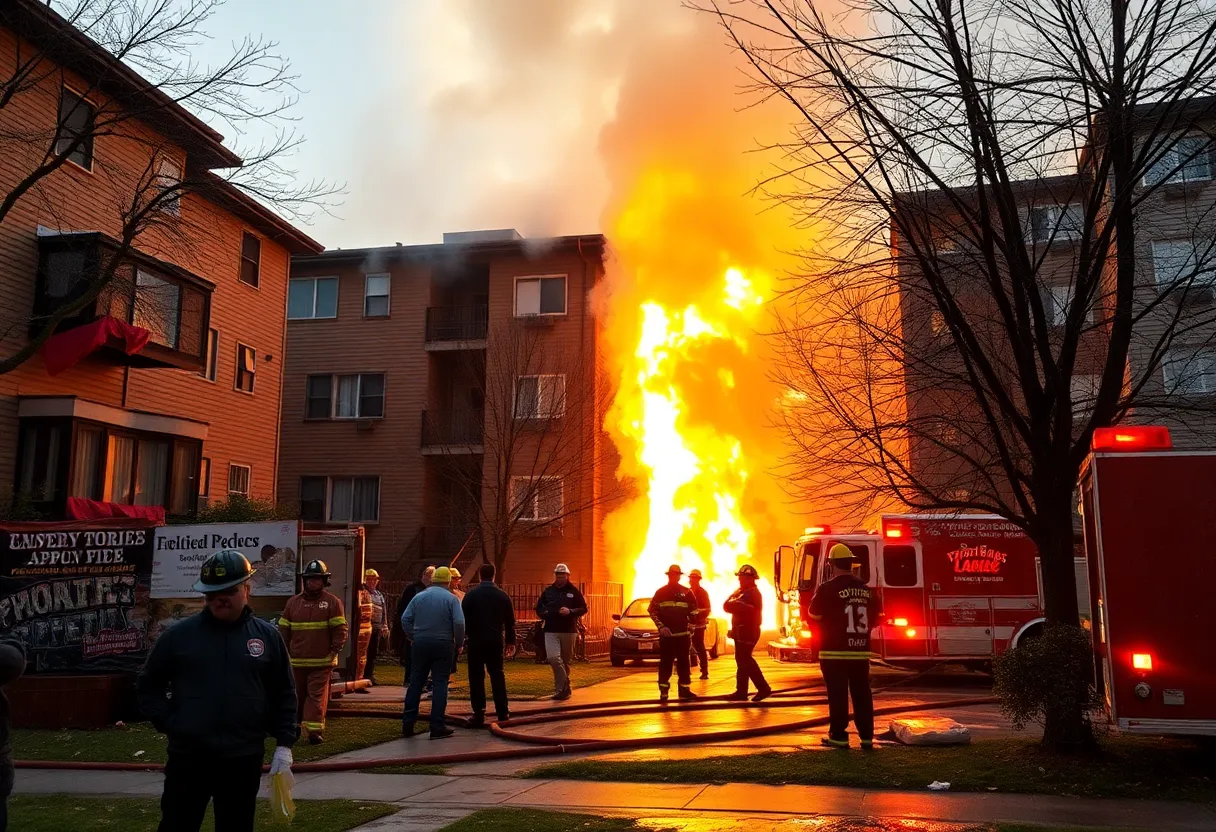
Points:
(962, 626)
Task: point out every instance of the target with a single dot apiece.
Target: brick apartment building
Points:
(1175, 240)
(432, 389)
(192, 413)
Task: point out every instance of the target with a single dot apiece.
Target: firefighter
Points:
(745, 606)
(380, 629)
(363, 636)
(673, 609)
(314, 627)
(699, 624)
(844, 610)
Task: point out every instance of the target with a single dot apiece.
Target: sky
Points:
(445, 115)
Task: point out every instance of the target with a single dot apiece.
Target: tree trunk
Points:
(500, 561)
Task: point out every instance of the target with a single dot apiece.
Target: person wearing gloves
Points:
(434, 623)
(217, 684)
(12, 665)
(313, 626)
(559, 607)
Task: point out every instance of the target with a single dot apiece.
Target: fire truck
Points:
(957, 588)
(1147, 515)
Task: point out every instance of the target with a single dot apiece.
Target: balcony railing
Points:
(452, 427)
(457, 323)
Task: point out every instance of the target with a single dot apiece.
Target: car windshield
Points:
(637, 609)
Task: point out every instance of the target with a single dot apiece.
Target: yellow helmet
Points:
(442, 575)
(370, 573)
(840, 552)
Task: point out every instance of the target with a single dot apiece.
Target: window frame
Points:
(241, 370)
(233, 466)
(540, 278)
(334, 386)
(1198, 267)
(314, 280)
(540, 414)
(535, 498)
(1178, 177)
(257, 264)
(211, 356)
(1058, 229)
(89, 146)
(172, 205)
(388, 295)
(1167, 362)
(1052, 294)
(328, 500)
(1091, 386)
(204, 479)
(918, 560)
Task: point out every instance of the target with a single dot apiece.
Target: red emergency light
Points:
(812, 530)
(894, 529)
(1134, 438)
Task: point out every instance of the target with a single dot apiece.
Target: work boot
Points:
(761, 695)
(476, 721)
(568, 692)
(315, 739)
(834, 743)
(704, 672)
(686, 695)
(504, 717)
(442, 734)
(738, 696)
(663, 694)
(410, 732)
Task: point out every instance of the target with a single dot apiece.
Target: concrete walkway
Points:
(447, 797)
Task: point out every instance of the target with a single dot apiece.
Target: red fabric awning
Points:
(79, 508)
(65, 349)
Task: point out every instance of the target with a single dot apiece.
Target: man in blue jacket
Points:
(434, 623)
(231, 685)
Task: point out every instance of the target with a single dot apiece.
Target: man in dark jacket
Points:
(699, 654)
(489, 625)
(12, 665)
(559, 607)
(231, 684)
(745, 606)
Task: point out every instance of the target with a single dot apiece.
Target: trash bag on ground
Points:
(282, 807)
(930, 731)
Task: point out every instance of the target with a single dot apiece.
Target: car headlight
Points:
(617, 632)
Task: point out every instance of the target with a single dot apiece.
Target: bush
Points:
(19, 507)
(1047, 680)
(241, 509)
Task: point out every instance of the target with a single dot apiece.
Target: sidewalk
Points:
(455, 793)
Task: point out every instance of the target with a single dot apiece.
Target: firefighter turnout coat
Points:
(315, 631)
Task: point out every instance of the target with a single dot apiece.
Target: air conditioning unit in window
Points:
(362, 425)
(539, 320)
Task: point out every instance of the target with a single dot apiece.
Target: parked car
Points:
(635, 636)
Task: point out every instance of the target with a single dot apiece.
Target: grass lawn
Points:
(124, 744)
(1141, 767)
(56, 813)
(534, 820)
(525, 678)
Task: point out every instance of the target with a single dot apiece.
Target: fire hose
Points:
(532, 745)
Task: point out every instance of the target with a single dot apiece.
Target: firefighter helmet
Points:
(840, 552)
(370, 573)
(696, 573)
(747, 571)
(223, 570)
(316, 569)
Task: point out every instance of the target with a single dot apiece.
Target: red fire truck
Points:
(1151, 545)
(955, 588)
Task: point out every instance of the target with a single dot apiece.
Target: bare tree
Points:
(118, 72)
(1016, 240)
(546, 463)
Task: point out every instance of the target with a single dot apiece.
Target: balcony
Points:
(456, 327)
(170, 303)
(452, 432)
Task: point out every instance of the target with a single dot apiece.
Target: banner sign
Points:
(181, 550)
(76, 594)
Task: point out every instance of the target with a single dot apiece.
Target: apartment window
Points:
(1058, 300)
(1184, 266)
(1188, 159)
(1056, 222)
(158, 308)
(168, 181)
(340, 499)
(376, 295)
(1083, 388)
(75, 123)
(540, 296)
(239, 477)
(356, 396)
(1190, 372)
(204, 476)
(540, 397)
(312, 297)
(537, 499)
(211, 360)
(251, 258)
(133, 468)
(41, 447)
(246, 366)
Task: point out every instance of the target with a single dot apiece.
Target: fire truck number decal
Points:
(977, 563)
(862, 622)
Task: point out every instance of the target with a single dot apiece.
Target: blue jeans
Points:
(434, 659)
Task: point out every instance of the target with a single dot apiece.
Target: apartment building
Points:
(446, 398)
(165, 386)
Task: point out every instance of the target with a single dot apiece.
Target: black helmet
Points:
(747, 571)
(316, 569)
(223, 570)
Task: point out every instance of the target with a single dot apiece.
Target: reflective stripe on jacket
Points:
(315, 630)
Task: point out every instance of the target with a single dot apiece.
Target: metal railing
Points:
(457, 323)
(453, 427)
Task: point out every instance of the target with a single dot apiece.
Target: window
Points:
(75, 128)
(204, 476)
(1058, 301)
(1083, 389)
(239, 477)
(358, 396)
(86, 463)
(251, 258)
(1190, 372)
(168, 179)
(899, 566)
(540, 296)
(537, 499)
(183, 485)
(212, 357)
(376, 295)
(1056, 222)
(40, 454)
(158, 308)
(810, 553)
(1187, 267)
(246, 366)
(312, 499)
(354, 500)
(312, 297)
(540, 397)
(937, 323)
(1188, 159)
(861, 561)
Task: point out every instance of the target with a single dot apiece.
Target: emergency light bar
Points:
(894, 529)
(817, 530)
(1132, 438)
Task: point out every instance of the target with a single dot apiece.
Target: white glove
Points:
(281, 762)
